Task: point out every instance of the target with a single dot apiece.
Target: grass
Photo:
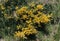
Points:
(57, 36)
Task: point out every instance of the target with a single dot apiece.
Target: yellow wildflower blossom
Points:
(29, 30)
(21, 10)
(19, 34)
(24, 17)
(36, 19)
(29, 21)
(30, 12)
(44, 18)
(39, 6)
(31, 15)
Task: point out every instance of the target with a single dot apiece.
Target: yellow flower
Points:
(31, 16)
(29, 30)
(30, 12)
(19, 34)
(24, 17)
(39, 6)
(21, 10)
(36, 19)
(29, 21)
(44, 18)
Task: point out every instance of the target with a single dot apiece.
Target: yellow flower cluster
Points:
(27, 19)
(44, 18)
(31, 16)
(24, 17)
(19, 34)
(25, 31)
(36, 19)
(21, 10)
(30, 12)
(39, 6)
(29, 30)
(41, 18)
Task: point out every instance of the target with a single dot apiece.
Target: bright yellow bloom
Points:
(24, 17)
(36, 19)
(44, 18)
(39, 6)
(21, 10)
(29, 30)
(31, 16)
(30, 12)
(29, 21)
(19, 34)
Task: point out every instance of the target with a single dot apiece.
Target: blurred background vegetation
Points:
(54, 27)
